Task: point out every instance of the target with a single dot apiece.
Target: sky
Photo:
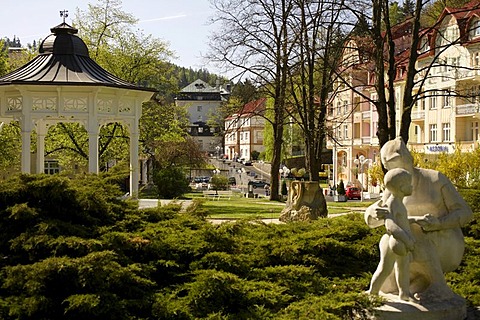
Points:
(183, 24)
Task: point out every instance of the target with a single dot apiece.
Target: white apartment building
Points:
(244, 131)
(448, 115)
(201, 101)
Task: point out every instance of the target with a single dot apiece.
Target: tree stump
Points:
(305, 202)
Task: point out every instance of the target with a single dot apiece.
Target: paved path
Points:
(153, 203)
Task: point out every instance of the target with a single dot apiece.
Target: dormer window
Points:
(425, 45)
(475, 29)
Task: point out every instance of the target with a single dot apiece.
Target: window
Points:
(345, 131)
(339, 132)
(425, 45)
(241, 136)
(423, 101)
(397, 101)
(433, 132)
(345, 106)
(200, 129)
(433, 100)
(51, 167)
(246, 136)
(199, 108)
(475, 131)
(446, 131)
(446, 99)
(339, 107)
(475, 31)
(476, 59)
(373, 97)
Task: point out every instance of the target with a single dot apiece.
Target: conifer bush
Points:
(72, 249)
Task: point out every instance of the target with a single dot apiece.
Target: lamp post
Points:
(361, 161)
(284, 171)
(240, 171)
(261, 169)
(216, 172)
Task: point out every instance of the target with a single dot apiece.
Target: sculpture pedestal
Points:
(449, 309)
(305, 202)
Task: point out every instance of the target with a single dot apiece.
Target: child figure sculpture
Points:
(398, 242)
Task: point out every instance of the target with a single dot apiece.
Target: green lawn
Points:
(238, 207)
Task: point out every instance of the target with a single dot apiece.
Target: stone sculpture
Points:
(436, 212)
(397, 244)
(305, 202)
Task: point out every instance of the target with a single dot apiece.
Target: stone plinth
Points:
(395, 309)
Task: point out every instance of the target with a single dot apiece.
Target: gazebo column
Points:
(26, 130)
(92, 145)
(41, 132)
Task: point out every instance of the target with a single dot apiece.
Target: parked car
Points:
(353, 193)
(232, 181)
(258, 184)
(248, 163)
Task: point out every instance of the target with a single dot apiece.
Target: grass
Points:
(238, 207)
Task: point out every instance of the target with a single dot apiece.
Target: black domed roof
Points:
(64, 60)
(63, 40)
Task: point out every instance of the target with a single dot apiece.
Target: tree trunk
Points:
(305, 202)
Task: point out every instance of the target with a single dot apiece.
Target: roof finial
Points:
(64, 14)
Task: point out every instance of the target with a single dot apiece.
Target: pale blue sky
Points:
(181, 23)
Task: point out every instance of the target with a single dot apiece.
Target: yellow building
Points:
(446, 116)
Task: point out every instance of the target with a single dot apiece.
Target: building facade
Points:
(201, 101)
(446, 114)
(244, 131)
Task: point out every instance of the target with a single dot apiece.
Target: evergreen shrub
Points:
(73, 249)
(171, 182)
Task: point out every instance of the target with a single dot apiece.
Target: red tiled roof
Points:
(251, 108)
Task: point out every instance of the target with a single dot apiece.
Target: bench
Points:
(217, 195)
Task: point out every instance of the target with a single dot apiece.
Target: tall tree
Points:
(255, 39)
(320, 26)
(116, 45)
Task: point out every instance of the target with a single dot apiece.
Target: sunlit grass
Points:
(238, 207)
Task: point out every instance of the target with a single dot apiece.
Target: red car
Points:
(353, 193)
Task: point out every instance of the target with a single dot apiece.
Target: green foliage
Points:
(171, 182)
(10, 148)
(219, 182)
(3, 57)
(433, 9)
(462, 168)
(341, 188)
(72, 249)
(284, 190)
(375, 174)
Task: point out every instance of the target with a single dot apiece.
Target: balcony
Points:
(467, 109)
(366, 140)
(463, 74)
(418, 115)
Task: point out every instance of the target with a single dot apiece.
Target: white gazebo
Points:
(63, 84)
